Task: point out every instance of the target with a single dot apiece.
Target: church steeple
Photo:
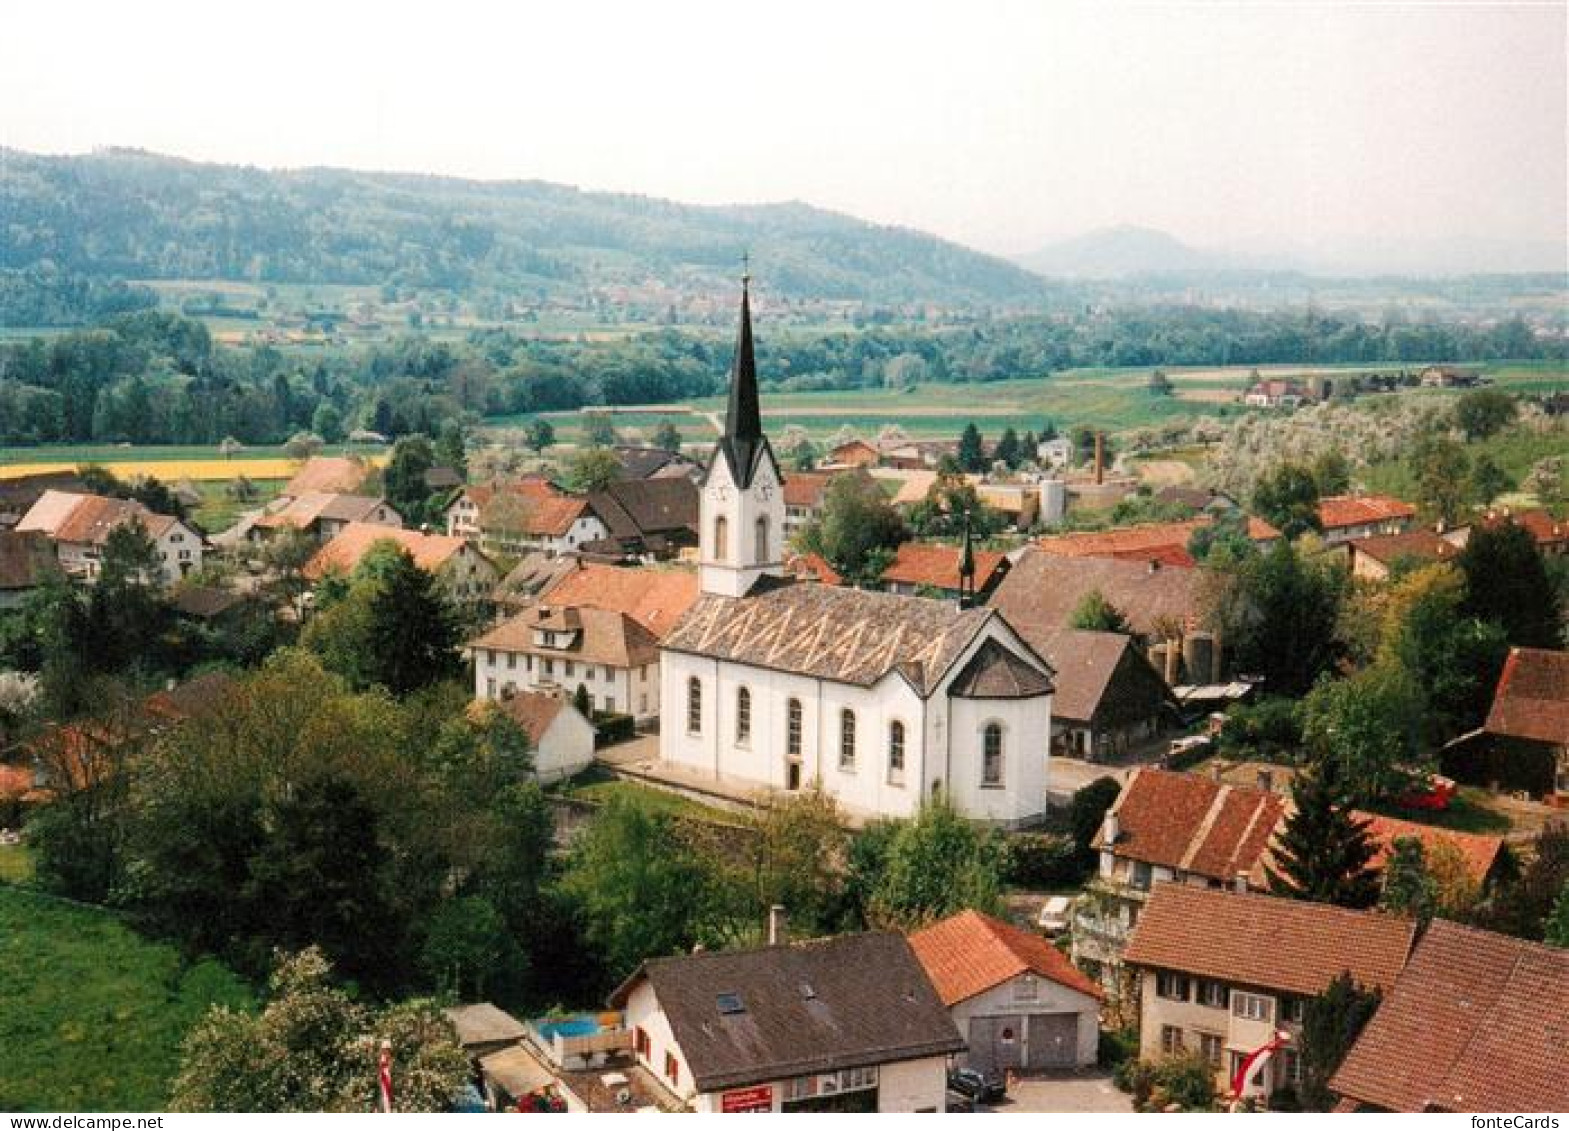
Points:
(742, 442)
(967, 568)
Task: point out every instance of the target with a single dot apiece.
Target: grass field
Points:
(595, 787)
(92, 1014)
(169, 463)
(16, 864)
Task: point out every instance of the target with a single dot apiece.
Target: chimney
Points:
(1215, 771)
(1154, 565)
(1266, 780)
(1109, 828)
(1100, 458)
(776, 925)
(1241, 882)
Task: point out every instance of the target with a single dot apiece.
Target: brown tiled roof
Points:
(845, 635)
(1476, 1022)
(548, 516)
(1102, 673)
(1547, 530)
(1194, 824)
(199, 695)
(648, 463)
(308, 508)
(850, 1001)
(1478, 851)
(806, 488)
(343, 553)
(26, 558)
(1288, 945)
(656, 598)
(205, 601)
(529, 487)
(969, 953)
(336, 474)
(534, 713)
(936, 565)
(995, 672)
(1140, 542)
(638, 508)
(1338, 511)
(95, 517)
(1532, 698)
(1041, 592)
(605, 637)
(1423, 544)
(18, 493)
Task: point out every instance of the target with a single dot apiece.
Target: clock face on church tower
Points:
(765, 490)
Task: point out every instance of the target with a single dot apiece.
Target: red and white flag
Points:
(384, 1075)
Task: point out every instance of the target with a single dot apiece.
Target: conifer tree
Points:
(1324, 854)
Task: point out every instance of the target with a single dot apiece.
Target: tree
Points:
(1279, 610)
(451, 448)
(796, 859)
(327, 422)
(313, 1048)
(1087, 812)
(466, 944)
(1488, 480)
(1288, 498)
(1331, 1023)
(972, 450)
(667, 436)
(1546, 481)
(1332, 472)
(1096, 614)
(951, 503)
(302, 445)
(1482, 412)
(1522, 908)
(540, 434)
(1409, 888)
(592, 469)
(1324, 854)
(1506, 582)
(1368, 727)
(1007, 450)
(411, 635)
(936, 865)
(404, 480)
(858, 529)
(1159, 384)
(598, 431)
(1456, 890)
(1556, 929)
(1440, 466)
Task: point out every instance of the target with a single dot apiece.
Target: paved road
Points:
(1090, 1092)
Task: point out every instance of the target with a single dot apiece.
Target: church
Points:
(880, 698)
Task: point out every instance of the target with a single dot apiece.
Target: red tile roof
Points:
(969, 953)
(928, 563)
(529, 487)
(549, 516)
(1478, 851)
(533, 712)
(1476, 1022)
(1532, 697)
(343, 553)
(1195, 824)
(602, 636)
(1548, 531)
(1335, 512)
(655, 598)
(1287, 945)
(333, 474)
(806, 488)
(1423, 544)
(1042, 591)
(1160, 541)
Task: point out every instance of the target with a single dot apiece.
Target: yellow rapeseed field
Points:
(173, 470)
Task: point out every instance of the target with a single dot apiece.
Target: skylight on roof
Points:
(730, 1004)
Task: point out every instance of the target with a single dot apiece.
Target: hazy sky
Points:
(1001, 125)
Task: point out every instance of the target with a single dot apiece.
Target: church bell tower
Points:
(742, 509)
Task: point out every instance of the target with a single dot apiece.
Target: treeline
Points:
(155, 377)
(42, 296)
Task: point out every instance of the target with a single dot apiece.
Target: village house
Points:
(851, 453)
(1198, 498)
(883, 700)
(333, 475)
(657, 599)
(1016, 999)
(1469, 1026)
(561, 740)
(804, 492)
(654, 463)
(1449, 377)
(1055, 453)
(1345, 518)
(19, 493)
(1375, 558)
(1276, 393)
(644, 520)
(513, 524)
(27, 559)
(849, 1023)
(1018, 503)
(80, 525)
(554, 650)
(1110, 701)
(1550, 534)
(465, 574)
(1164, 542)
(931, 569)
(1222, 973)
(463, 512)
(323, 516)
(1526, 734)
(528, 581)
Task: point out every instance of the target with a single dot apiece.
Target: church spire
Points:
(743, 438)
(967, 568)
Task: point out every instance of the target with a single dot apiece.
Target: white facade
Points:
(997, 1025)
(179, 553)
(742, 535)
(566, 747)
(500, 671)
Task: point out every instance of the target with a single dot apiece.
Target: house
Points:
(515, 524)
(19, 493)
(930, 569)
(556, 650)
(1199, 499)
(654, 463)
(1529, 718)
(657, 599)
(27, 559)
(210, 604)
(1164, 542)
(80, 525)
(462, 513)
(1478, 1009)
(852, 453)
(335, 475)
(531, 579)
(838, 1024)
(323, 516)
(483, 1029)
(1275, 393)
(1344, 518)
(1163, 604)
(804, 492)
(1375, 558)
(1110, 700)
(442, 478)
(1449, 377)
(883, 700)
(1017, 1000)
(1055, 453)
(645, 519)
(1550, 534)
(466, 575)
(560, 739)
(1221, 973)
(1018, 503)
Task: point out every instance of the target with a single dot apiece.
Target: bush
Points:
(1186, 1081)
(1118, 1047)
(1266, 731)
(613, 728)
(1040, 860)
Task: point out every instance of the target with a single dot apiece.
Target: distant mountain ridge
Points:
(137, 215)
(1110, 253)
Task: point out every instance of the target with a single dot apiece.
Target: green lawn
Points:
(1513, 449)
(218, 511)
(594, 787)
(92, 1014)
(1469, 812)
(16, 864)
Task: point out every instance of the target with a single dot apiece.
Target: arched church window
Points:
(991, 755)
(721, 538)
(743, 715)
(760, 549)
(694, 705)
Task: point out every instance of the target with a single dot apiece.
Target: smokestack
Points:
(1100, 458)
(1266, 780)
(1109, 829)
(776, 925)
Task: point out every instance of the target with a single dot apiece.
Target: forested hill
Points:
(121, 214)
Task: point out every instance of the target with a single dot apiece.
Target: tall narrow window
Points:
(721, 538)
(847, 739)
(694, 706)
(991, 755)
(896, 752)
(760, 549)
(743, 715)
(793, 730)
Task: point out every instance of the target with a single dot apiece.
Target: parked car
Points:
(975, 1085)
(1053, 919)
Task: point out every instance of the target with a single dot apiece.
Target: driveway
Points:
(1083, 1092)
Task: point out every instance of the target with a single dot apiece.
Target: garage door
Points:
(1053, 1040)
(996, 1043)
